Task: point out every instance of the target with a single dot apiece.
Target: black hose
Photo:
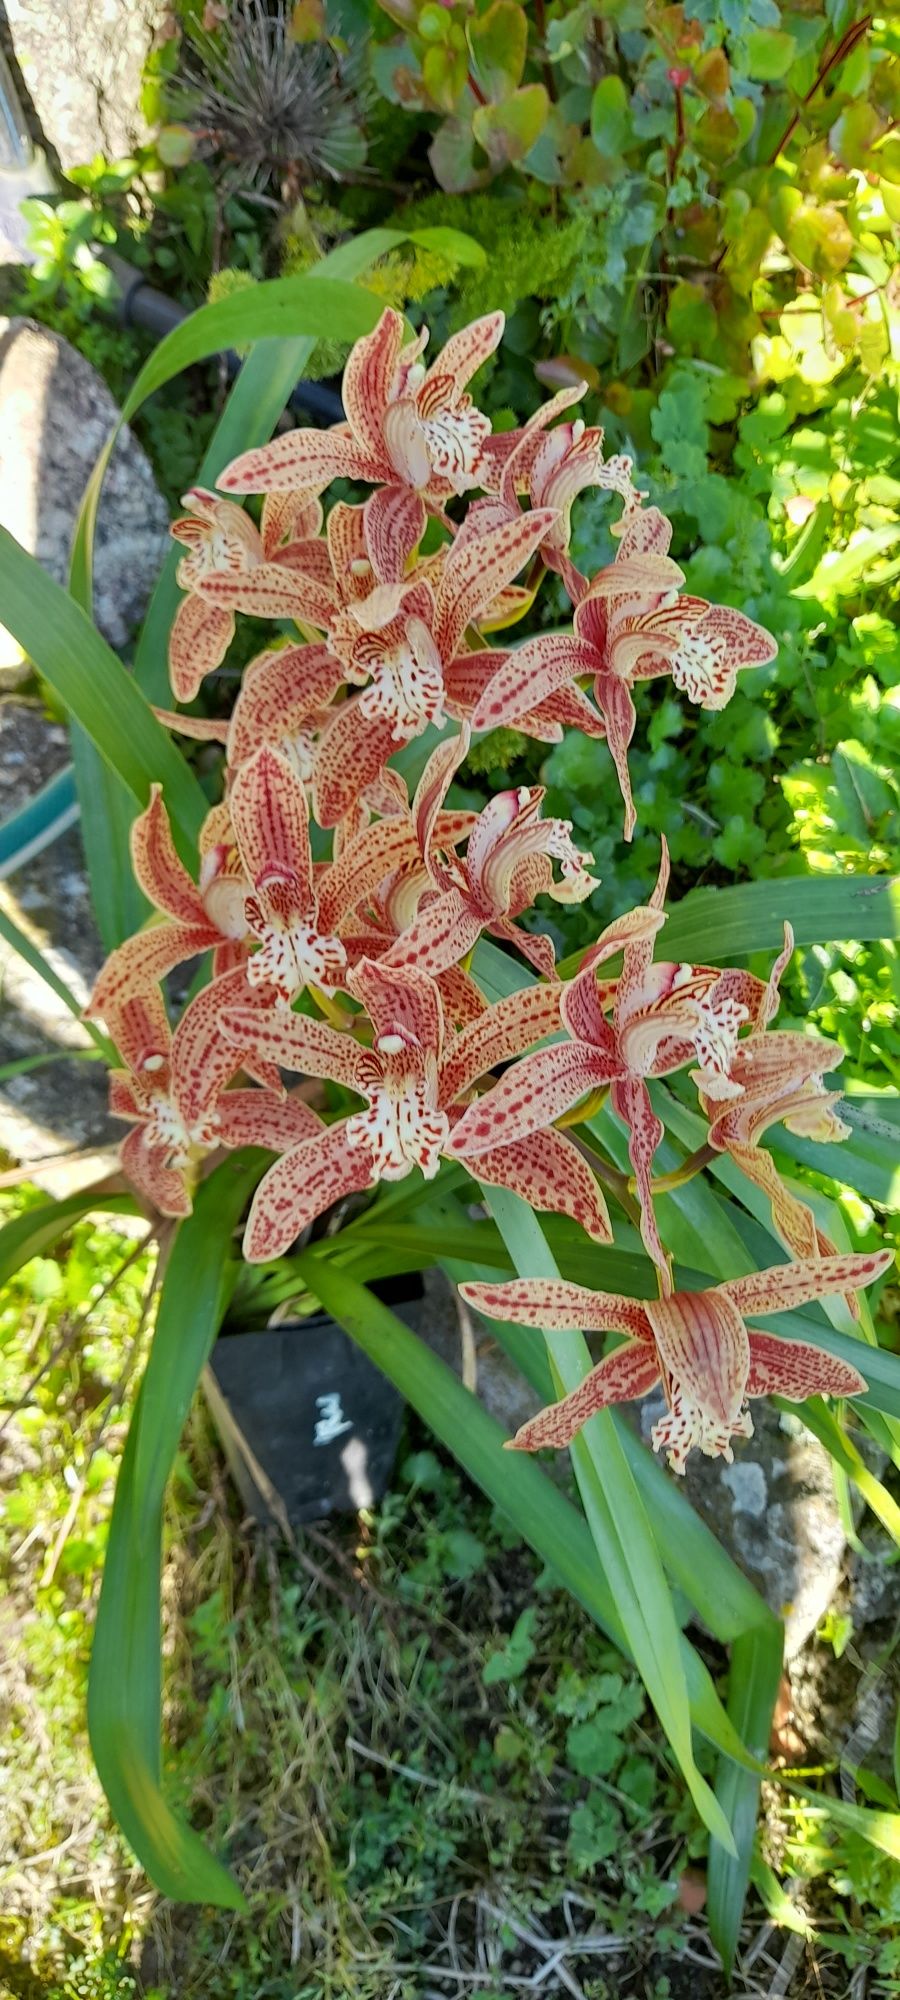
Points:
(140, 304)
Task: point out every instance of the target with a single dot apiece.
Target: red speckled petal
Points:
(617, 708)
(163, 1187)
(362, 866)
(352, 753)
(202, 728)
(440, 936)
(270, 817)
(286, 517)
(702, 1343)
(557, 1304)
(537, 1090)
(305, 459)
(143, 960)
(549, 1173)
(622, 1377)
(630, 1099)
(257, 1118)
(795, 1369)
(461, 999)
(505, 1030)
(280, 692)
(529, 674)
(272, 590)
(162, 876)
(468, 349)
(394, 521)
(300, 1186)
(399, 1001)
(785, 1285)
(477, 569)
(198, 642)
(368, 380)
(296, 1042)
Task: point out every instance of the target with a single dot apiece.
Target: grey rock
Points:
(81, 63)
(468, 1346)
(55, 415)
(774, 1511)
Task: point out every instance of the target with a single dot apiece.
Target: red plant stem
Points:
(842, 49)
(476, 90)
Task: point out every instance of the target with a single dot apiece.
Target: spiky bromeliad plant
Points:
(352, 925)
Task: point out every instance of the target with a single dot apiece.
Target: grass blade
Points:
(124, 1695)
(37, 1229)
(756, 1662)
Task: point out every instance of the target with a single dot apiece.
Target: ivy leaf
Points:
(508, 131)
(768, 54)
(509, 1661)
(498, 41)
(610, 117)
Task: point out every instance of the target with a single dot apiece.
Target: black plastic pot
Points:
(308, 1425)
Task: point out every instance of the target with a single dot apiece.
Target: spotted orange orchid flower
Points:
(551, 467)
(631, 624)
(664, 1016)
(778, 1078)
(412, 1080)
(695, 1343)
(509, 860)
(172, 1089)
(407, 425)
(221, 541)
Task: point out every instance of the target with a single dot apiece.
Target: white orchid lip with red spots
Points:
(696, 1344)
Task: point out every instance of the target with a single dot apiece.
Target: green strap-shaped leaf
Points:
(753, 1680)
(90, 681)
(37, 1229)
(720, 924)
(124, 1696)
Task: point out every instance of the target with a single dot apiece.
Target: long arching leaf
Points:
(125, 1696)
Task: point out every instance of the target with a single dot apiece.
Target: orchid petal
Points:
(139, 1026)
(352, 751)
(301, 1186)
(271, 591)
(505, 1030)
(270, 817)
(285, 516)
(362, 865)
(304, 459)
(143, 960)
(443, 932)
(394, 525)
(257, 1118)
(466, 351)
(785, 1285)
(529, 674)
(560, 1306)
(630, 1100)
(369, 378)
(198, 642)
(614, 701)
(400, 1001)
(478, 568)
(623, 1376)
(296, 1042)
(704, 1349)
(549, 1173)
(531, 1095)
(281, 691)
(164, 1187)
(795, 1369)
